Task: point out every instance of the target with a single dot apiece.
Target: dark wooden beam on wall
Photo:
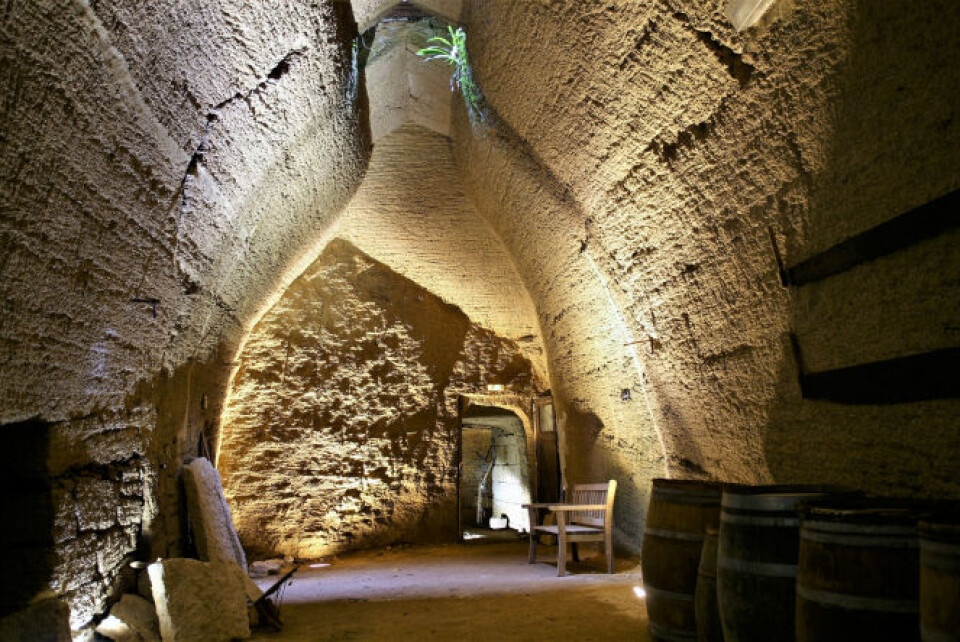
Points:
(927, 221)
(919, 377)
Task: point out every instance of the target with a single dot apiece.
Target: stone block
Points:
(130, 511)
(76, 563)
(132, 619)
(199, 601)
(86, 602)
(96, 503)
(210, 517)
(144, 589)
(113, 548)
(65, 523)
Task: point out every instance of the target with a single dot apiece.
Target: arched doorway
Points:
(496, 476)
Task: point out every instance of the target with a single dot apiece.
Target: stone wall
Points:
(341, 430)
(649, 160)
(511, 474)
(162, 169)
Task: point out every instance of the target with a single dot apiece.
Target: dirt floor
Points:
(474, 591)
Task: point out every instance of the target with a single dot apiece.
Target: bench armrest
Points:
(536, 505)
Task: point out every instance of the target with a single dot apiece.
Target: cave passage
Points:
(392, 299)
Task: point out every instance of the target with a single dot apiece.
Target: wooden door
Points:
(548, 452)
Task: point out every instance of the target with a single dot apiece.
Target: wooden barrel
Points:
(859, 571)
(940, 578)
(757, 560)
(679, 514)
(707, 610)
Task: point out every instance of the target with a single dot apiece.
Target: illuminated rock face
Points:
(163, 167)
(412, 214)
(342, 429)
(650, 155)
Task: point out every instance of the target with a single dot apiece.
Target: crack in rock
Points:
(739, 70)
(281, 69)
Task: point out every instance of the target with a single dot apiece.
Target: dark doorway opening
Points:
(495, 475)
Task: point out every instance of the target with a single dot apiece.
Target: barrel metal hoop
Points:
(682, 535)
(870, 541)
(931, 559)
(858, 602)
(671, 634)
(667, 595)
(928, 634)
(864, 529)
(768, 569)
(759, 520)
(676, 496)
(942, 548)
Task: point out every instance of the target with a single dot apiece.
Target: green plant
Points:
(453, 51)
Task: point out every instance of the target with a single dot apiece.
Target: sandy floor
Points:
(482, 592)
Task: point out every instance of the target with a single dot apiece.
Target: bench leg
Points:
(532, 513)
(576, 551)
(608, 550)
(561, 544)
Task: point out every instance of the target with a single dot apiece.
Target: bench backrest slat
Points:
(593, 494)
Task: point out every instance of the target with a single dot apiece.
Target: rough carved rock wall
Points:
(672, 150)
(341, 428)
(411, 213)
(162, 169)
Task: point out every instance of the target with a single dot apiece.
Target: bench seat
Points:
(572, 529)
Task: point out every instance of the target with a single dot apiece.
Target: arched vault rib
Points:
(369, 12)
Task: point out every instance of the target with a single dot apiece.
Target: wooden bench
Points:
(588, 517)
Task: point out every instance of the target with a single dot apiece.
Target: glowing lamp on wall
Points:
(494, 387)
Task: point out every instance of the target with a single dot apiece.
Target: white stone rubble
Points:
(132, 619)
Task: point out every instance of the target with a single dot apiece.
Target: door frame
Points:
(536, 404)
